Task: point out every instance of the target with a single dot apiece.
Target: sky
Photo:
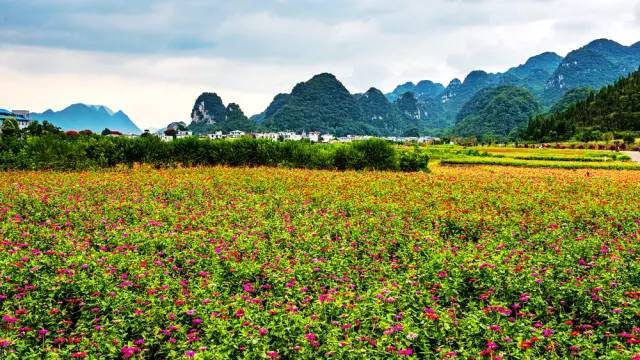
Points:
(152, 58)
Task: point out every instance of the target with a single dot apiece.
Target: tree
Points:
(412, 133)
(106, 132)
(10, 127)
(629, 139)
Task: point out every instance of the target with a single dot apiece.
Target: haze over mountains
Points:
(92, 117)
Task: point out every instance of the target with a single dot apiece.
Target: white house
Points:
(20, 116)
(270, 136)
(314, 136)
(327, 138)
(236, 134)
(216, 135)
(290, 136)
(183, 134)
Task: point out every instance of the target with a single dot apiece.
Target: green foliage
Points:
(209, 115)
(321, 104)
(629, 138)
(10, 127)
(66, 152)
(413, 160)
(493, 114)
(236, 120)
(570, 98)
(386, 118)
(614, 108)
(208, 106)
(548, 163)
(424, 88)
(595, 65)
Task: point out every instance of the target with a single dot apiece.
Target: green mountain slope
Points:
(209, 114)
(495, 113)
(613, 108)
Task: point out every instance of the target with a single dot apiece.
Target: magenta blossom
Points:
(128, 351)
(405, 352)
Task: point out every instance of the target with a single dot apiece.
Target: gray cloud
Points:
(121, 51)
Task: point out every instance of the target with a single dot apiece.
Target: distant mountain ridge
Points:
(92, 117)
(547, 76)
(323, 104)
(595, 65)
(613, 108)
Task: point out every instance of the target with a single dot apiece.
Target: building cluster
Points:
(21, 116)
(292, 136)
(275, 136)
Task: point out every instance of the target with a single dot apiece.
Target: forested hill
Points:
(613, 108)
(492, 114)
(323, 104)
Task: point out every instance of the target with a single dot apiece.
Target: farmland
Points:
(530, 158)
(219, 262)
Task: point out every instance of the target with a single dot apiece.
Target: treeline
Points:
(59, 151)
(615, 108)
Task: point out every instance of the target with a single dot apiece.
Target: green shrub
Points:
(413, 161)
(79, 152)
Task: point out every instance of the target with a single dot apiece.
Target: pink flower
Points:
(272, 354)
(547, 332)
(9, 319)
(5, 343)
(189, 353)
(405, 352)
(239, 313)
(311, 337)
(248, 287)
(263, 331)
(43, 332)
(128, 351)
(524, 297)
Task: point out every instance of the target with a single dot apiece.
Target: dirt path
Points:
(634, 155)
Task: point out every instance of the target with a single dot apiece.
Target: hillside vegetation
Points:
(613, 108)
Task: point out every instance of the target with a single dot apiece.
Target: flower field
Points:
(268, 263)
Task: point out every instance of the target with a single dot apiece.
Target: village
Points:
(315, 137)
(23, 120)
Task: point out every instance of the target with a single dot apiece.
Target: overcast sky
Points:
(152, 58)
